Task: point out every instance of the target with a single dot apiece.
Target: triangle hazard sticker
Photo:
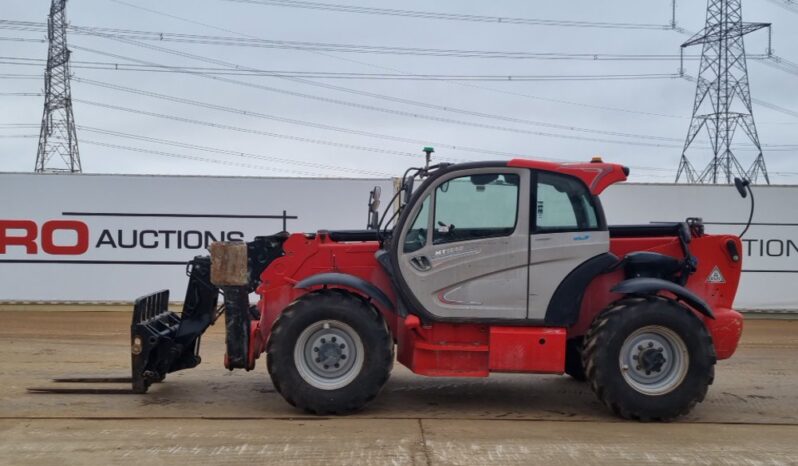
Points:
(715, 276)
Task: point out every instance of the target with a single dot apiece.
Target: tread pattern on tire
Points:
(573, 359)
(597, 339)
(376, 369)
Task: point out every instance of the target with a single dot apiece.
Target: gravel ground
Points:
(209, 415)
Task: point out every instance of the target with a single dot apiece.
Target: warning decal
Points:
(715, 276)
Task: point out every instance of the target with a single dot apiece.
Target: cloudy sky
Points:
(217, 122)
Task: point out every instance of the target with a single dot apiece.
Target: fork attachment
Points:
(163, 341)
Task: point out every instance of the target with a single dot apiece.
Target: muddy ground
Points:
(209, 415)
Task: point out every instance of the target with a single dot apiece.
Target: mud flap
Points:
(163, 341)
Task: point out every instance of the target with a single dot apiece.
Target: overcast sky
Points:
(650, 107)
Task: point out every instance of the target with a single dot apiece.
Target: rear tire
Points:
(329, 352)
(573, 359)
(649, 359)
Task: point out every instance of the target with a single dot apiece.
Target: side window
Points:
(416, 237)
(563, 204)
(476, 206)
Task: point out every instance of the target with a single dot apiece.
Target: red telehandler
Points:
(483, 267)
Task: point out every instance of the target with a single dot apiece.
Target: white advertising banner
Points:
(116, 237)
(770, 246)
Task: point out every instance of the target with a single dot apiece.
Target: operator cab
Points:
(498, 241)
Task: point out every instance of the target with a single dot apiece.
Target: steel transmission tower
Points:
(58, 142)
(722, 96)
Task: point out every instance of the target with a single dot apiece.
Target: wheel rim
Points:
(328, 354)
(654, 360)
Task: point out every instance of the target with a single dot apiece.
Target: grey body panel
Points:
(552, 257)
(476, 278)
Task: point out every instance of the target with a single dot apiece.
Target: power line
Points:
(22, 39)
(782, 64)
(290, 120)
(371, 49)
(338, 75)
(452, 16)
(351, 48)
(196, 158)
(378, 109)
(447, 120)
(246, 155)
(290, 137)
(260, 167)
(282, 136)
(774, 61)
(789, 5)
(570, 128)
(19, 76)
(771, 106)
(21, 94)
(255, 114)
(372, 65)
(246, 130)
(775, 107)
(272, 158)
(344, 48)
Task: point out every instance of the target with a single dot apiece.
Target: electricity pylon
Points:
(58, 141)
(722, 97)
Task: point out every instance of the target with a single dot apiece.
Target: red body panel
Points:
(306, 256)
(527, 349)
(453, 350)
(711, 251)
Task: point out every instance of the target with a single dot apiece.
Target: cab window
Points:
(416, 237)
(475, 206)
(563, 203)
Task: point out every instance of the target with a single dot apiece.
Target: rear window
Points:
(563, 203)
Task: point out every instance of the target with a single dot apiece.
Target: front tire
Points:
(649, 359)
(329, 352)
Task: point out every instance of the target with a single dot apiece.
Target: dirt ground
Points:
(209, 415)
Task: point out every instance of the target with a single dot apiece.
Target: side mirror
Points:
(374, 204)
(741, 185)
(408, 188)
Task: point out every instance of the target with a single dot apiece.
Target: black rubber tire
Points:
(602, 348)
(345, 307)
(573, 359)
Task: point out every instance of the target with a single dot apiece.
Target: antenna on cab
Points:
(428, 151)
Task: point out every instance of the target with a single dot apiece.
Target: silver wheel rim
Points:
(654, 360)
(328, 354)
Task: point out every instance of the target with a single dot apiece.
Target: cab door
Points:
(465, 253)
(567, 230)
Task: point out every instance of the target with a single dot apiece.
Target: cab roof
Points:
(596, 174)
